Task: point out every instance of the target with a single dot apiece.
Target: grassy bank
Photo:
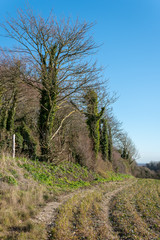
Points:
(66, 176)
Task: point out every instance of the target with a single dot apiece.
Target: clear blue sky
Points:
(130, 33)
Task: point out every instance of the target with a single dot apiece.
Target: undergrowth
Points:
(65, 176)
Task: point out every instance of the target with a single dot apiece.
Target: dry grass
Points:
(19, 201)
(102, 167)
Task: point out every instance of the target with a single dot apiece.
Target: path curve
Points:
(105, 205)
(48, 214)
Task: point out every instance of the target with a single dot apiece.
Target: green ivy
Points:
(93, 118)
(104, 138)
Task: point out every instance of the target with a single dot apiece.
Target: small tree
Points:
(128, 149)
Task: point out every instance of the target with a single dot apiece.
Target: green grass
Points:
(66, 176)
(10, 180)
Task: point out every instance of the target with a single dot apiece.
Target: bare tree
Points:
(19, 101)
(59, 53)
(128, 149)
(9, 85)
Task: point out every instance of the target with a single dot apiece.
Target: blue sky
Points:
(130, 33)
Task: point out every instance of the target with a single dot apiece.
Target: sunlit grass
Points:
(26, 185)
(67, 175)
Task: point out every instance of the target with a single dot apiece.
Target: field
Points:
(86, 214)
(135, 212)
(39, 201)
(118, 211)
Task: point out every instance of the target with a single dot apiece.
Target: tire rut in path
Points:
(48, 214)
(105, 205)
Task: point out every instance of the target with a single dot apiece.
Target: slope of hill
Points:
(44, 201)
(26, 186)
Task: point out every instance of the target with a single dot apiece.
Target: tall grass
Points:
(19, 201)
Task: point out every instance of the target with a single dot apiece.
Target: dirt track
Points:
(48, 214)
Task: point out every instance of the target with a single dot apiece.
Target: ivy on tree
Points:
(93, 118)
